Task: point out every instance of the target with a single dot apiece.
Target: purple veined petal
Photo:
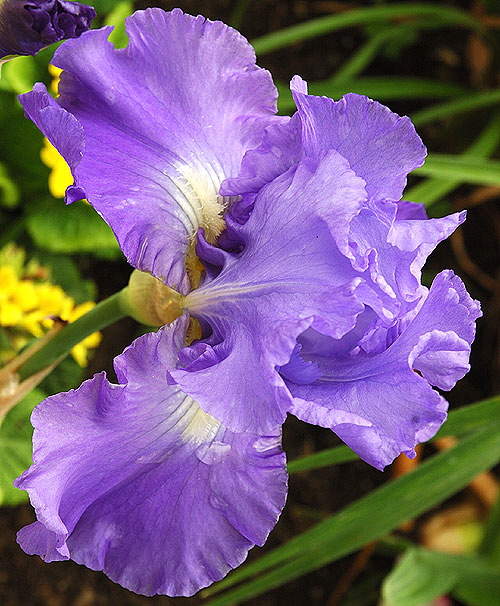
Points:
(28, 26)
(279, 151)
(441, 357)
(234, 373)
(421, 235)
(380, 146)
(300, 371)
(293, 245)
(411, 210)
(137, 481)
(289, 276)
(388, 242)
(439, 334)
(392, 250)
(376, 403)
(163, 123)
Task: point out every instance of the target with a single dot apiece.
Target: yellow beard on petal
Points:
(202, 427)
(202, 196)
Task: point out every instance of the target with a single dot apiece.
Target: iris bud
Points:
(149, 301)
(27, 26)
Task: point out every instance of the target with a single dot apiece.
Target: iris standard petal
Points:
(380, 146)
(388, 241)
(136, 480)
(163, 123)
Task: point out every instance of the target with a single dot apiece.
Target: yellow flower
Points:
(29, 306)
(55, 72)
(10, 314)
(60, 176)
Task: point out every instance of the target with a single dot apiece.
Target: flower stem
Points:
(103, 314)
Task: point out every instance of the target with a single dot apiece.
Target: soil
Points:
(443, 54)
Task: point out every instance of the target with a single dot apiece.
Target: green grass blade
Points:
(464, 169)
(432, 190)
(459, 106)
(362, 16)
(380, 88)
(362, 58)
(490, 545)
(470, 418)
(324, 458)
(371, 517)
(238, 13)
(460, 422)
(367, 53)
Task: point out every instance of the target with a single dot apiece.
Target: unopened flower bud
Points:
(27, 26)
(149, 301)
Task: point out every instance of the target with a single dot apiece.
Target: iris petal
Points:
(136, 480)
(376, 403)
(158, 126)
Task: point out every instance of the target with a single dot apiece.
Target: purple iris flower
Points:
(27, 26)
(288, 247)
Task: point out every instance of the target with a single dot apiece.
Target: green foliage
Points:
(459, 423)
(469, 102)
(490, 545)
(116, 18)
(64, 377)
(431, 190)
(383, 88)
(64, 271)
(9, 192)
(369, 518)
(15, 447)
(422, 575)
(103, 7)
(439, 15)
(463, 169)
(324, 458)
(76, 228)
(19, 75)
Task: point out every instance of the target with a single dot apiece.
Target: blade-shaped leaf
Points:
(460, 422)
(490, 545)
(443, 15)
(381, 88)
(324, 458)
(458, 106)
(422, 575)
(463, 169)
(435, 188)
(369, 518)
(471, 418)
